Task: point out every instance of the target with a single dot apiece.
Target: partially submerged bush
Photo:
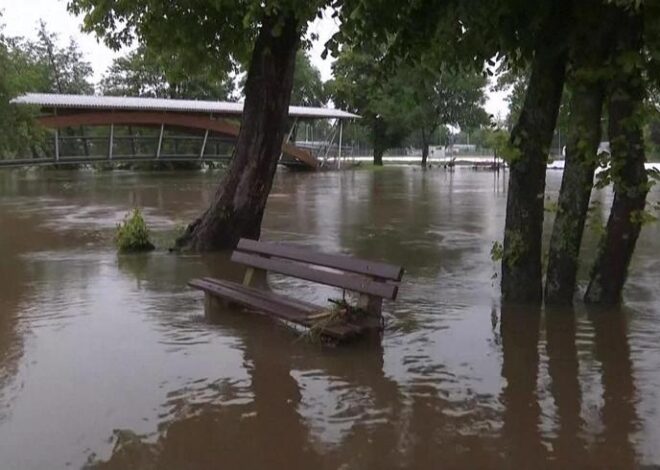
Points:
(133, 234)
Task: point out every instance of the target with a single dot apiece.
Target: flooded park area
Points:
(110, 361)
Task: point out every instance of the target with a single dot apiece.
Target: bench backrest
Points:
(368, 277)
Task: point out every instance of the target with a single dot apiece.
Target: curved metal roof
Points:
(48, 100)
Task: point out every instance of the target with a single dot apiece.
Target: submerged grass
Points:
(132, 234)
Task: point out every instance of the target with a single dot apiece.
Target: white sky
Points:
(21, 18)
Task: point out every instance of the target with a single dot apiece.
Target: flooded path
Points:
(110, 362)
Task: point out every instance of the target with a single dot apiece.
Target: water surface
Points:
(110, 361)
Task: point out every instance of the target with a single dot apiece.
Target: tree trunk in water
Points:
(378, 156)
(379, 141)
(589, 52)
(238, 207)
(425, 148)
(531, 138)
(627, 166)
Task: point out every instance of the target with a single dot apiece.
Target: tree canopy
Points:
(308, 88)
(188, 34)
(35, 66)
(414, 97)
(144, 73)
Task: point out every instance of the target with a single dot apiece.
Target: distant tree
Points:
(64, 67)
(360, 85)
(308, 88)
(144, 73)
(443, 98)
(416, 98)
(20, 72)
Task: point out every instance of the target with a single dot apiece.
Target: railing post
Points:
(160, 140)
(206, 136)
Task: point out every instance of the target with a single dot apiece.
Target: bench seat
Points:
(279, 306)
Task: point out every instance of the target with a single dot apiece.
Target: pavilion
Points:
(159, 129)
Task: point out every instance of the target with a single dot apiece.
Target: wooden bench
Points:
(370, 281)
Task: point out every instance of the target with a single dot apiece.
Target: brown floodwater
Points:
(110, 361)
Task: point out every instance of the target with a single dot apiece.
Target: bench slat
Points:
(244, 296)
(345, 281)
(342, 262)
(273, 304)
(268, 295)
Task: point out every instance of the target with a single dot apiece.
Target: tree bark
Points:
(238, 207)
(627, 166)
(531, 138)
(589, 51)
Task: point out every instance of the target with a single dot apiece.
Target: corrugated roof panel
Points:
(163, 104)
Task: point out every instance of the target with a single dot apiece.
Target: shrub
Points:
(133, 234)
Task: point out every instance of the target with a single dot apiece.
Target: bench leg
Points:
(213, 304)
(255, 278)
(370, 303)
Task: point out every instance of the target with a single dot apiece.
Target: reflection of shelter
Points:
(127, 128)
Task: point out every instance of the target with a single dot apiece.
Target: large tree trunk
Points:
(238, 207)
(589, 51)
(627, 166)
(531, 138)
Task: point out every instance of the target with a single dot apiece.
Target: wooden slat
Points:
(345, 281)
(277, 306)
(310, 308)
(267, 295)
(345, 263)
(243, 296)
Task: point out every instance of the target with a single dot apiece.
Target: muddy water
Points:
(110, 362)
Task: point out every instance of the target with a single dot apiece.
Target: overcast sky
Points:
(21, 18)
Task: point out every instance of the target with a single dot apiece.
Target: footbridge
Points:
(91, 129)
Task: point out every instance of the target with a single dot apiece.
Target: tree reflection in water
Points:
(414, 428)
